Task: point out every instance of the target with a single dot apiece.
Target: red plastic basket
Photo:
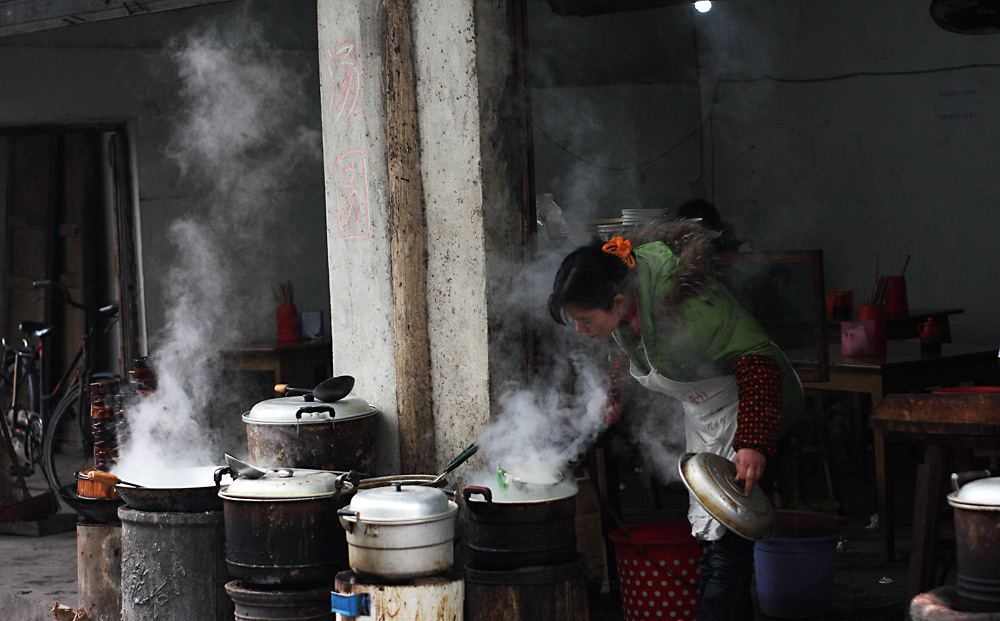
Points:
(658, 571)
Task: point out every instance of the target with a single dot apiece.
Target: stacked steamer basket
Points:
(92, 495)
(401, 551)
(284, 545)
(521, 545)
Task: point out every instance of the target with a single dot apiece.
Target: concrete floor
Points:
(37, 572)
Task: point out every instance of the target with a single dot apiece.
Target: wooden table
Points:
(280, 359)
(903, 369)
(943, 424)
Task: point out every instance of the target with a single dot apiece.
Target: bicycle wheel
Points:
(68, 446)
(20, 422)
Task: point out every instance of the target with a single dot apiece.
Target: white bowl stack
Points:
(639, 217)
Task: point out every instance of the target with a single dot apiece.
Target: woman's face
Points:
(595, 322)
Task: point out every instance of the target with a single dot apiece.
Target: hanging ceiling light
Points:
(703, 6)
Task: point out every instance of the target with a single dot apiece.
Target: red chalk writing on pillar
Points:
(345, 79)
(351, 187)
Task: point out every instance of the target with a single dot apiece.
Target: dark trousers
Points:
(727, 569)
(726, 572)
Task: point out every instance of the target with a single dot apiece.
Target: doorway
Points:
(68, 211)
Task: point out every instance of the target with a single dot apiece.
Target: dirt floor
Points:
(36, 572)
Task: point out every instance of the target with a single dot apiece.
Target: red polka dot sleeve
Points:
(758, 384)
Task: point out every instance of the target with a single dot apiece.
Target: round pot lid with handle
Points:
(711, 479)
(398, 503)
(303, 409)
(980, 493)
(287, 484)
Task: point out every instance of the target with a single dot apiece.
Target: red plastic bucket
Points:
(658, 571)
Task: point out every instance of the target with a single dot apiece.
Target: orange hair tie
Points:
(621, 248)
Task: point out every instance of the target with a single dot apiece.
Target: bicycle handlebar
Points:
(105, 311)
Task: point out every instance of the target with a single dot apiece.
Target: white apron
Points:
(710, 408)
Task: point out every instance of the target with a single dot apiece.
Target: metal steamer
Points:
(975, 500)
(400, 541)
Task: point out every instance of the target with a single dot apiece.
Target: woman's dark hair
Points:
(588, 278)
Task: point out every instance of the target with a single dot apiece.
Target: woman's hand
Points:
(749, 467)
(612, 412)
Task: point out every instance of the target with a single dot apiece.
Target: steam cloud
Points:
(567, 397)
(240, 133)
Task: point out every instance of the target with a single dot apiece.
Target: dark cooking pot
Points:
(283, 529)
(505, 534)
(299, 432)
(976, 503)
(400, 532)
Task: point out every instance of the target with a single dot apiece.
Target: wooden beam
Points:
(408, 246)
(19, 16)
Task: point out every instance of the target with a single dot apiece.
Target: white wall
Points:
(119, 71)
(827, 125)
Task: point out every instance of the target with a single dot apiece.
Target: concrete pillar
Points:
(423, 135)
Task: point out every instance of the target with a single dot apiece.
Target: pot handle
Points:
(221, 471)
(315, 408)
(348, 519)
(469, 490)
(958, 479)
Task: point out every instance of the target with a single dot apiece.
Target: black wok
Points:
(100, 510)
(171, 499)
(194, 499)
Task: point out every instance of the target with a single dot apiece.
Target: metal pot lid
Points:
(978, 494)
(301, 409)
(289, 484)
(711, 479)
(400, 503)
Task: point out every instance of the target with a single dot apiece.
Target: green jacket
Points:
(703, 333)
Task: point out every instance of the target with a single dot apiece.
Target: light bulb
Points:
(703, 6)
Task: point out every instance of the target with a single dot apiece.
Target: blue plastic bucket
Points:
(795, 576)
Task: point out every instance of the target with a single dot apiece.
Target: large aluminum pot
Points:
(400, 532)
(281, 528)
(505, 532)
(976, 503)
(300, 432)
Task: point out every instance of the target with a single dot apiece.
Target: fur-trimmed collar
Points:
(693, 245)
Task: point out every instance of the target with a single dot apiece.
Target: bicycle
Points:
(67, 439)
(19, 382)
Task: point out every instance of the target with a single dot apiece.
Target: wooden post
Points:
(408, 245)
